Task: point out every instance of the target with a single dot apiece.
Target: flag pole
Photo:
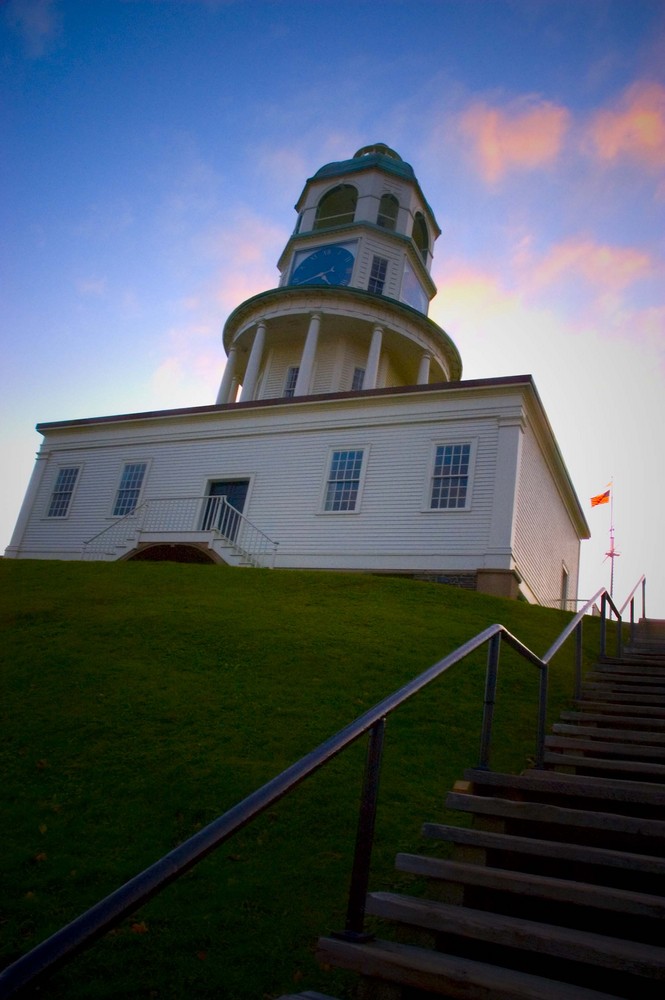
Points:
(612, 553)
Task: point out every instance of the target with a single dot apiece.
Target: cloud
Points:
(37, 22)
(91, 286)
(634, 129)
(247, 249)
(600, 265)
(526, 135)
(190, 372)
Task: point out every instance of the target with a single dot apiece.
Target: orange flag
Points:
(601, 498)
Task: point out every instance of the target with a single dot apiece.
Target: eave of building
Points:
(336, 298)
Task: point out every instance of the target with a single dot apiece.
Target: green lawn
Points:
(141, 700)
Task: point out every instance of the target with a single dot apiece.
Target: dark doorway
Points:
(223, 516)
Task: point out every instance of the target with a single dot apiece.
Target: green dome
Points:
(377, 155)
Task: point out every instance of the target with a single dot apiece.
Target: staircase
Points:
(557, 889)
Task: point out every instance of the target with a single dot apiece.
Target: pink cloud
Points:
(526, 135)
(635, 129)
(600, 265)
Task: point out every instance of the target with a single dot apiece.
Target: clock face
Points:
(330, 265)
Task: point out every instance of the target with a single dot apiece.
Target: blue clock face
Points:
(331, 265)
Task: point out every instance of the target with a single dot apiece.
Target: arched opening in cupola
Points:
(337, 207)
(388, 209)
(420, 235)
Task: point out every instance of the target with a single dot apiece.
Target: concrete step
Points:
(579, 897)
(306, 995)
(655, 694)
(625, 869)
(628, 669)
(621, 735)
(650, 724)
(642, 961)
(643, 710)
(584, 764)
(606, 829)
(571, 790)
(445, 975)
(652, 754)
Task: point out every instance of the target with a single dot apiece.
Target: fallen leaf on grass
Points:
(139, 928)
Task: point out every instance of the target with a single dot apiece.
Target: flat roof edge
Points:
(190, 411)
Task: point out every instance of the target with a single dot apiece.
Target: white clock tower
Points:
(350, 312)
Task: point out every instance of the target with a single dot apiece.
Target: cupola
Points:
(350, 312)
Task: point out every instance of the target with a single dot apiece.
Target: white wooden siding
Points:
(283, 449)
(287, 463)
(545, 538)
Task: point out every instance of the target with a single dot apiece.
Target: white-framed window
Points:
(377, 276)
(388, 209)
(131, 483)
(337, 207)
(344, 480)
(291, 379)
(358, 379)
(420, 235)
(451, 479)
(63, 491)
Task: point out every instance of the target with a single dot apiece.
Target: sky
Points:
(152, 152)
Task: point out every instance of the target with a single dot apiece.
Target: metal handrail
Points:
(85, 929)
(631, 599)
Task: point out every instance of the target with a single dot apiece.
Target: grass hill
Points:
(141, 700)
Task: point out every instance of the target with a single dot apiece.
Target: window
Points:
(337, 207)
(62, 492)
(388, 209)
(420, 235)
(130, 488)
(450, 480)
(358, 379)
(291, 379)
(377, 277)
(343, 481)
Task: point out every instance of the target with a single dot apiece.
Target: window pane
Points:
(344, 480)
(451, 476)
(62, 492)
(337, 207)
(130, 488)
(388, 209)
(377, 278)
(358, 379)
(291, 379)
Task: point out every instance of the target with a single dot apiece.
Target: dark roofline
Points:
(190, 411)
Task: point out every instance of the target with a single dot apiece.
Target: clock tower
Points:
(350, 312)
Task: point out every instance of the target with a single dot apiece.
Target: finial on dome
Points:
(377, 148)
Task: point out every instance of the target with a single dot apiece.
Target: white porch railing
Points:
(183, 520)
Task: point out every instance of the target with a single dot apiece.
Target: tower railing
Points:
(62, 946)
(185, 519)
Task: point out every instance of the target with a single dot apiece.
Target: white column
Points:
(423, 370)
(304, 379)
(228, 378)
(12, 550)
(254, 363)
(373, 356)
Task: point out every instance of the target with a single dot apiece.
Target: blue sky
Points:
(153, 151)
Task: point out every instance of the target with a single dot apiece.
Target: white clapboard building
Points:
(343, 436)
